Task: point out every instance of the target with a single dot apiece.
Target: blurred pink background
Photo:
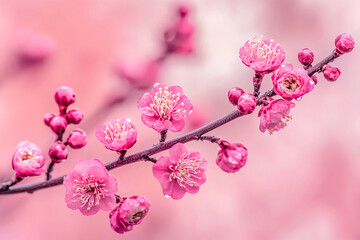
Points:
(300, 183)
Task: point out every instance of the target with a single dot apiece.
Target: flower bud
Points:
(130, 212)
(183, 10)
(344, 43)
(58, 124)
(58, 151)
(331, 73)
(74, 116)
(234, 95)
(47, 118)
(231, 157)
(64, 96)
(246, 103)
(28, 159)
(306, 56)
(77, 139)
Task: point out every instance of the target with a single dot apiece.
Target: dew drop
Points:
(298, 99)
(312, 82)
(167, 196)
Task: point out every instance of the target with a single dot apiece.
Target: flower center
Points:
(291, 83)
(137, 216)
(259, 51)
(27, 155)
(113, 131)
(166, 104)
(89, 191)
(186, 170)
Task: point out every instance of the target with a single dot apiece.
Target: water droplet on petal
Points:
(156, 84)
(312, 82)
(128, 119)
(298, 99)
(167, 196)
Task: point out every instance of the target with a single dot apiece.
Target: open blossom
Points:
(231, 157)
(275, 115)
(90, 188)
(181, 172)
(262, 55)
(165, 108)
(117, 134)
(292, 83)
(130, 212)
(28, 159)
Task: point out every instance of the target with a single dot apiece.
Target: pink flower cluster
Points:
(181, 172)
(90, 188)
(292, 83)
(275, 114)
(165, 108)
(130, 212)
(28, 160)
(117, 134)
(262, 55)
(245, 102)
(64, 96)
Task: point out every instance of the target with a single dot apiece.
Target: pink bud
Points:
(77, 139)
(183, 10)
(28, 159)
(74, 116)
(58, 151)
(331, 73)
(47, 118)
(58, 124)
(231, 157)
(344, 43)
(234, 95)
(64, 96)
(130, 212)
(306, 56)
(246, 103)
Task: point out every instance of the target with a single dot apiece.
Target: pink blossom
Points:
(141, 74)
(165, 108)
(58, 152)
(64, 96)
(331, 73)
(231, 157)
(181, 172)
(58, 124)
(292, 83)
(306, 56)
(246, 103)
(90, 188)
(74, 116)
(117, 134)
(77, 139)
(28, 159)
(130, 212)
(48, 117)
(234, 95)
(275, 115)
(262, 55)
(344, 43)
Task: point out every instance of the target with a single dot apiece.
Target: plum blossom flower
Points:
(165, 108)
(231, 157)
(181, 172)
(275, 115)
(90, 188)
(262, 55)
(130, 212)
(117, 134)
(28, 159)
(292, 83)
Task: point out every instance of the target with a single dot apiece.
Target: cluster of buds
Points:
(246, 102)
(64, 96)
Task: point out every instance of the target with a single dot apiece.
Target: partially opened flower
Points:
(117, 134)
(28, 159)
(130, 212)
(275, 115)
(90, 188)
(262, 55)
(165, 108)
(291, 82)
(231, 157)
(181, 172)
